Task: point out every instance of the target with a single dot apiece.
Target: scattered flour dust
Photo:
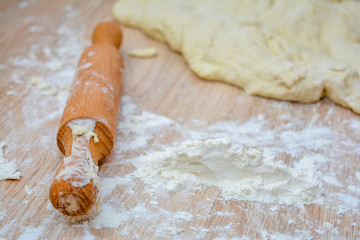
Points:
(216, 155)
(241, 174)
(2, 215)
(31, 233)
(138, 130)
(109, 217)
(8, 170)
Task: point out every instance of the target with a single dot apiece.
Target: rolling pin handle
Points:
(107, 32)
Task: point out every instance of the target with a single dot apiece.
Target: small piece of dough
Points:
(39, 83)
(11, 93)
(55, 65)
(143, 52)
(44, 87)
(50, 92)
(298, 50)
(84, 127)
(8, 170)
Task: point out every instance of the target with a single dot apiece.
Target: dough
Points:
(43, 86)
(289, 50)
(84, 126)
(142, 52)
(8, 170)
(40, 83)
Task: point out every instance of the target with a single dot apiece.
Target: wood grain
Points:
(163, 85)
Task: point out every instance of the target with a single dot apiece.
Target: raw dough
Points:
(39, 83)
(8, 170)
(290, 50)
(142, 52)
(44, 87)
(85, 127)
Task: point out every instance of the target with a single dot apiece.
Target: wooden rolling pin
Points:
(88, 125)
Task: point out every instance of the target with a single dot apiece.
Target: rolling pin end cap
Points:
(72, 201)
(107, 32)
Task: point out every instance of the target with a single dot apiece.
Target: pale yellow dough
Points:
(142, 52)
(297, 50)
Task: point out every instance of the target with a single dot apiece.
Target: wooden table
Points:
(45, 38)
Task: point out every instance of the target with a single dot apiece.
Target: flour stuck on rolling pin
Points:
(87, 129)
(80, 158)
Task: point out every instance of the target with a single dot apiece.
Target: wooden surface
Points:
(165, 86)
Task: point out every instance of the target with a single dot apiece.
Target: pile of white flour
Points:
(241, 174)
(217, 156)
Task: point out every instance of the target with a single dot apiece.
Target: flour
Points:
(32, 233)
(2, 215)
(28, 190)
(79, 168)
(183, 216)
(175, 230)
(355, 189)
(132, 208)
(109, 184)
(347, 202)
(109, 217)
(240, 174)
(54, 65)
(331, 180)
(8, 170)
(307, 147)
(11, 93)
(80, 158)
(114, 217)
(278, 236)
(139, 128)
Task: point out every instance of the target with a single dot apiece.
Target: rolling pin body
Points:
(88, 125)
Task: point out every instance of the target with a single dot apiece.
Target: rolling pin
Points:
(88, 125)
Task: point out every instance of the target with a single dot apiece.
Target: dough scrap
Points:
(40, 83)
(8, 170)
(84, 126)
(43, 86)
(142, 52)
(297, 50)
